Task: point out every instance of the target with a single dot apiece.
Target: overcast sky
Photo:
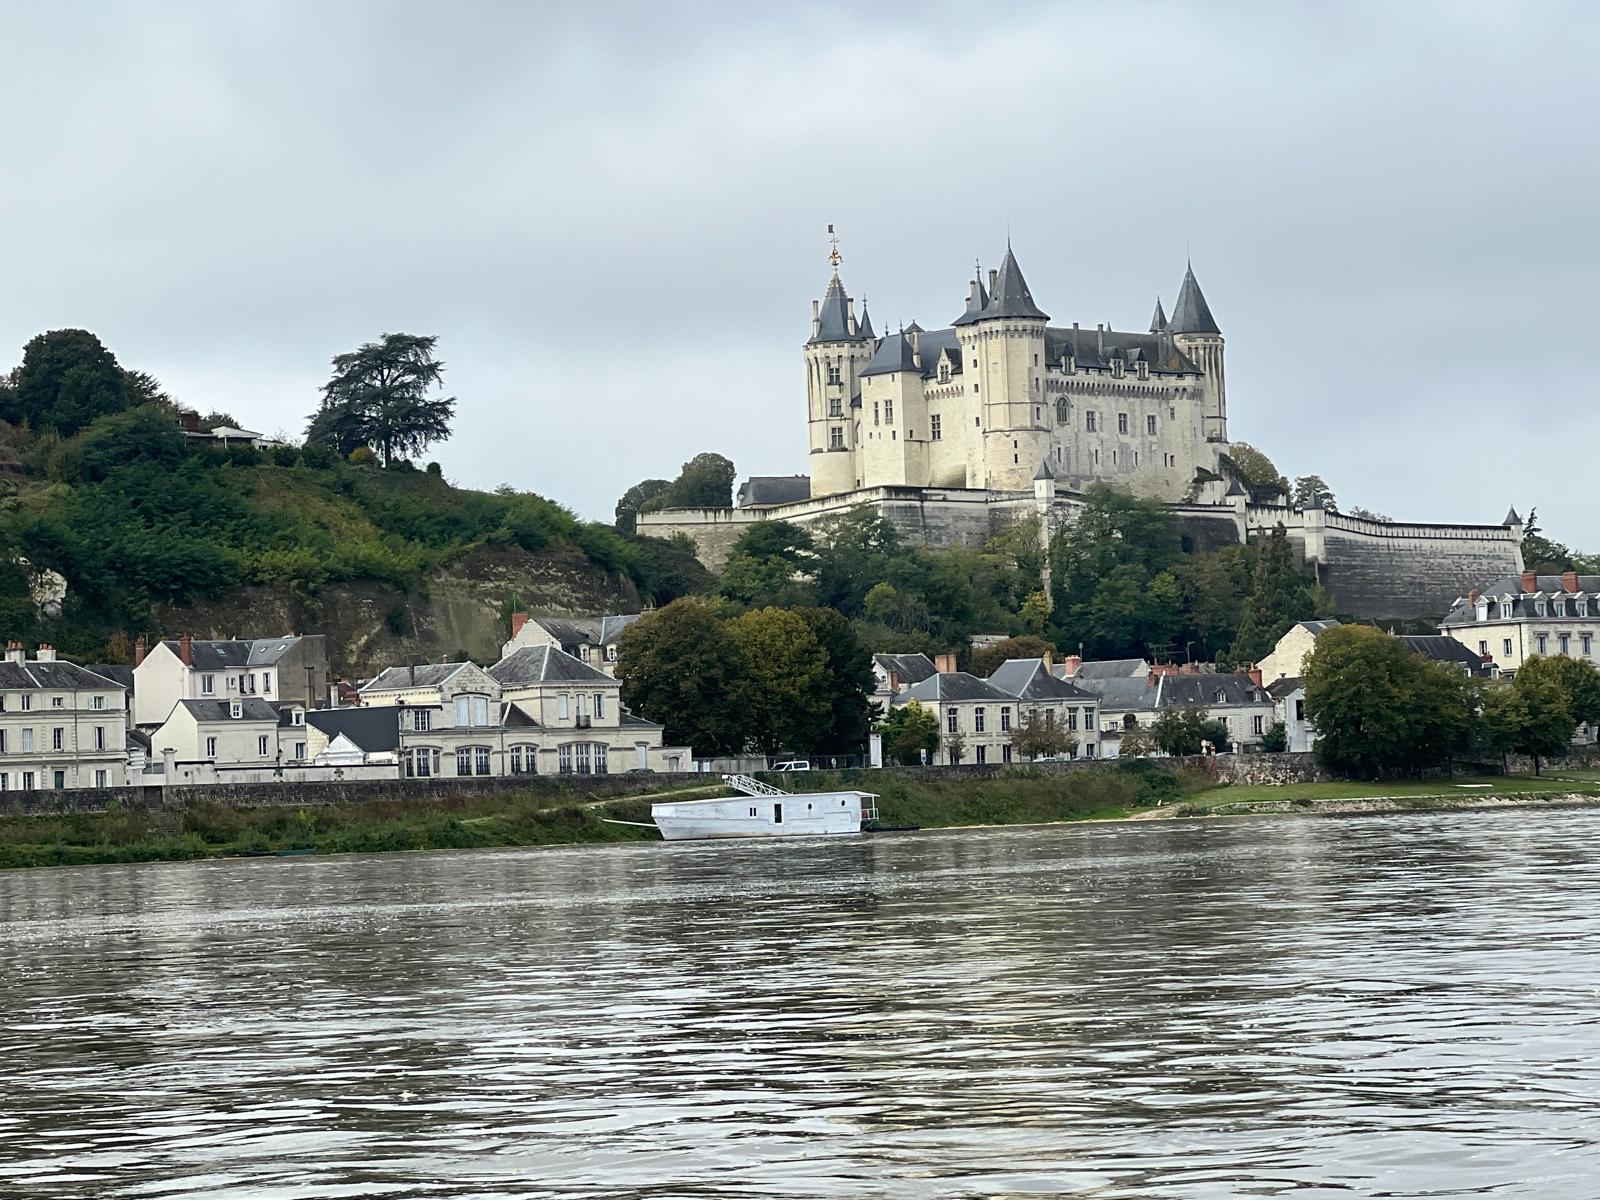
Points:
(614, 217)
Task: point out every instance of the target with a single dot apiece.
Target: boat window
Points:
(777, 814)
(752, 812)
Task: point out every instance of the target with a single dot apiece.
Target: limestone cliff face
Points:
(462, 607)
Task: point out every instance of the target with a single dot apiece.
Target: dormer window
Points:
(235, 709)
(1538, 608)
(1505, 610)
(944, 372)
(1558, 607)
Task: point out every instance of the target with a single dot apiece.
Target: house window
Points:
(480, 760)
(1299, 710)
(1258, 724)
(1122, 422)
(599, 758)
(611, 653)
(949, 723)
(27, 780)
(1538, 608)
(1544, 641)
(599, 706)
(524, 760)
(983, 754)
(1564, 640)
(836, 406)
(1150, 425)
(835, 437)
(27, 702)
(581, 753)
(422, 719)
(1505, 610)
(2, 741)
(1088, 718)
(211, 747)
(944, 372)
(1072, 718)
(1088, 422)
(266, 683)
(297, 717)
(261, 745)
(563, 702)
(235, 709)
(422, 763)
(1005, 752)
(97, 702)
(208, 685)
(58, 701)
(1483, 649)
(977, 719)
(27, 741)
(58, 779)
(56, 736)
(1587, 640)
(300, 751)
(564, 760)
(1005, 720)
(100, 779)
(472, 710)
(888, 412)
(464, 760)
(935, 429)
(1558, 606)
(99, 737)
(1506, 647)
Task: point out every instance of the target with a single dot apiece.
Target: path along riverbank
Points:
(1132, 790)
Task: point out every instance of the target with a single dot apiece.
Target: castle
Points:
(1001, 393)
(954, 434)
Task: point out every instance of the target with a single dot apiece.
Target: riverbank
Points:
(1137, 789)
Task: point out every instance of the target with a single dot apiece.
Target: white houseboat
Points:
(761, 810)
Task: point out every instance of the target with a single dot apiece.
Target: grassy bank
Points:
(1461, 791)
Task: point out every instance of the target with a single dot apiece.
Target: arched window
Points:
(1061, 411)
(524, 760)
(471, 710)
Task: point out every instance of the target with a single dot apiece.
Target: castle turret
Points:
(836, 353)
(1194, 331)
(1007, 341)
(1158, 323)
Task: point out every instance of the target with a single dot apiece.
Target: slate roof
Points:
(544, 664)
(1011, 296)
(629, 721)
(1278, 689)
(864, 326)
(396, 679)
(1158, 322)
(1208, 691)
(56, 676)
(948, 686)
(1511, 517)
(894, 353)
(116, 672)
(907, 668)
(1192, 314)
(774, 489)
(833, 315)
(1318, 628)
(1442, 648)
(1109, 668)
(1028, 679)
(572, 632)
(253, 709)
(1097, 349)
(977, 301)
(1522, 603)
(1044, 471)
(373, 729)
(1121, 693)
(216, 655)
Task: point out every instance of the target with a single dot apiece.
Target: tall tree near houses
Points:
(380, 395)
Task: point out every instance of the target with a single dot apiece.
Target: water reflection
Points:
(1398, 1006)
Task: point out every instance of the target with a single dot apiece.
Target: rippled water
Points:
(1397, 1006)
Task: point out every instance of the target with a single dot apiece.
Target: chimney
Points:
(46, 652)
(1530, 581)
(816, 317)
(1049, 659)
(141, 647)
(169, 759)
(1189, 668)
(518, 620)
(186, 650)
(15, 652)
(1472, 598)
(894, 684)
(1569, 581)
(1255, 674)
(993, 275)
(944, 663)
(1072, 662)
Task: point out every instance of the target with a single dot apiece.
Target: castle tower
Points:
(836, 353)
(1007, 341)
(1194, 331)
(894, 444)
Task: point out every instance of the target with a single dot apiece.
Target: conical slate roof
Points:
(977, 301)
(1011, 295)
(1192, 314)
(834, 315)
(1044, 471)
(894, 354)
(1159, 321)
(1512, 518)
(864, 329)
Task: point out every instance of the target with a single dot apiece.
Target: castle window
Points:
(833, 374)
(888, 412)
(874, 412)
(944, 372)
(1088, 420)
(1036, 413)
(1150, 425)
(934, 432)
(1122, 422)
(1061, 412)
(835, 406)
(835, 437)
(1036, 360)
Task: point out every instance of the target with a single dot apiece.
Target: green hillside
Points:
(155, 532)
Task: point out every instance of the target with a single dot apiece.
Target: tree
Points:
(984, 662)
(1380, 708)
(908, 732)
(1276, 738)
(1035, 612)
(1366, 514)
(852, 552)
(379, 396)
(787, 676)
(1258, 470)
(1282, 591)
(1531, 717)
(67, 378)
(1135, 742)
(679, 665)
(1540, 553)
(889, 606)
(847, 683)
(1032, 738)
(1181, 730)
(1578, 679)
(955, 747)
(770, 565)
(706, 481)
(632, 500)
(1311, 492)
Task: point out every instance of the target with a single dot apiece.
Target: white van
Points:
(794, 764)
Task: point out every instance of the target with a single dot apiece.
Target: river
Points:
(1398, 1006)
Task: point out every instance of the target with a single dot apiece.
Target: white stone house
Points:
(1055, 702)
(202, 738)
(1239, 701)
(591, 640)
(61, 726)
(971, 709)
(1523, 616)
(282, 670)
(893, 673)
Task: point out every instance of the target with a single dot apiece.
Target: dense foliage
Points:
(380, 398)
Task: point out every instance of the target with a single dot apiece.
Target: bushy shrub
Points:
(285, 456)
(317, 456)
(363, 455)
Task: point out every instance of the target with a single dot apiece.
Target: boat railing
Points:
(751, 786)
